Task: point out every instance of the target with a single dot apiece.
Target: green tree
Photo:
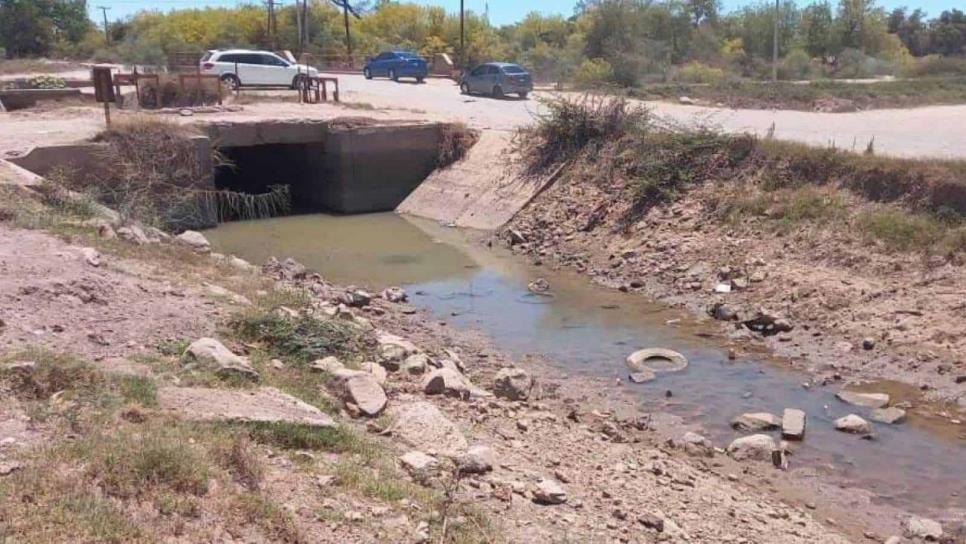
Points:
(33, 27)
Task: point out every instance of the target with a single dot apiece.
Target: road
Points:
(935, 131)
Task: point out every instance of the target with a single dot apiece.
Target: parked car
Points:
(497, 79)
(396, 64)
(245, 67)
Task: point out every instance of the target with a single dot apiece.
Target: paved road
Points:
(936, 131)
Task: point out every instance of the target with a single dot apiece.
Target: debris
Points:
(793, 424)
(656, 360)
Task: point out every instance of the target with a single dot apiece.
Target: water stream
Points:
(588, 329)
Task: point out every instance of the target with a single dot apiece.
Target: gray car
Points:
(497, 79)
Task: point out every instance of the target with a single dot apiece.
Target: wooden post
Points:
(107, 114)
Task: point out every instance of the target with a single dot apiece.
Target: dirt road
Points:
(929, 132)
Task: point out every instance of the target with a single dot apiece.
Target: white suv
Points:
(245, 67)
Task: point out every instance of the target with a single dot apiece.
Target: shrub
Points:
(593, 73)
(696, 72)
(455, 141)
(796, 65)
(303, 338)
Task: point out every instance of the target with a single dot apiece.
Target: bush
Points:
(303, 338)
(935, 65)
(796, 65)
(696, 72)
(593, 73)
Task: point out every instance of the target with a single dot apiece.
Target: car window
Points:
(513, 69)
(384, 56)
(248, 58)
(272, 60)
(404, 55)
(479, 70)
(490, 70)
(206, 56)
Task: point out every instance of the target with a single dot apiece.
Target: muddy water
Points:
(591, 330)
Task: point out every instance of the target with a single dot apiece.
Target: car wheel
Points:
(231, 80)
(419, 79)
(392, 75)
(367, 73)
(299, 82)
(523, 95)
(497, 92)
(464, 88)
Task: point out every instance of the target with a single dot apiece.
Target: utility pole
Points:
(774, 46)
(462, 37)
(271, 26)
(107, 32)
(348, 37)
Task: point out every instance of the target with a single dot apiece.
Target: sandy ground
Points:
(933, 131)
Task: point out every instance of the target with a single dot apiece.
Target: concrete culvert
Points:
(656, 360)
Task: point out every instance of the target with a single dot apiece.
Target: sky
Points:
(501, 11)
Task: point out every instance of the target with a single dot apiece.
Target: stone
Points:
(549, 492)
(195, 240)
(241, 264)
(643, 376)
(793, 424)
(415, 364)
(366, 393)
(891, 415)
(515, 237)
(686, 100)
(754, 447)
(924, 528)
(756, 421)
(894, 540)
(868, 343)
(393, 349)
(422, 426)
(221, 292)
(394, 294)
(656, 360)
(652, 521)
(696, 444)
(291, 269)
(20, 367)
(446, 381)
(329, 364)
(9, 467)
(106, 232)
(134, 234)
(262, 404)
(866, 400)
(355, 298)
(209, 350)
(377, 371)
(513, 384)
(415, 461)
(723, 312)
(91, 256)
(478, 459)
(853, 424)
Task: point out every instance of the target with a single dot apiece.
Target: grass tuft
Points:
(304, 338)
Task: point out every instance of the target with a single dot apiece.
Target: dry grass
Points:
(455, 141)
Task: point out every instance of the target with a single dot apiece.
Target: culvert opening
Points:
(256, 169)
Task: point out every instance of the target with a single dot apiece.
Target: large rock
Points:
(477, 460)
(394, 294)
(263, 404)
(756, 421)
(135, 235)
(393, 350)
(696, 444)
(866, 400)
(891, 415)
(549, 492)
(211, 351)
(758, 447)
(793, 424)
(195, 240)
(329, 364)
(446, 381)
(513, 384)
(924, 528)
(366, 393)
(422, 426)
(417, 462)
(415, 364)
(853, 424)
(377, 371)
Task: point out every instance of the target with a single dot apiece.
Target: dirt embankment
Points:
(117, 432)
(852, 267)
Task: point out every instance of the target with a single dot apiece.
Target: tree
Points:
(32, 27)
(817, 29)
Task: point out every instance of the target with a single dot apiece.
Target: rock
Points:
(889, 415)
(241, 264)
(866, 400)
(422, 426)
(221, 292)
(723, 312)
(515, 237)
(328, 364)
(20, 367)
(656, 360)
(686, 100)
(9, 467)
(652, 521)
(893, 540)
(366, 393)
(446, 381)
(756, 447)
(756, 421)
(415, 364)
(645, 375)
(134, 234)
(377, 371)
(263, 404)
(292, 270)
(549, 492)
(696, 444)
(394, 294)
(422, 533)
(393, 350)
(793, 424)
(924, 528)
(195, 240)
(768, 323)
(355, 298)
(853, 424)
(228, 364)
(91, 256)
(513, 384)
(106, 232)
(868, 343)
(478, 459)
(418, 462)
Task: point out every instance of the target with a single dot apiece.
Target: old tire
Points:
(656, 360)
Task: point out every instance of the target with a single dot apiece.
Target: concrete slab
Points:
(264, 404)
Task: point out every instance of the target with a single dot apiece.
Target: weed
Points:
(139, 389)
(295, 436)
(173, 347)
(237, 457)
(455, 141)
(277, 524)
(303, 338)
(900, 230)
(52, 373)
